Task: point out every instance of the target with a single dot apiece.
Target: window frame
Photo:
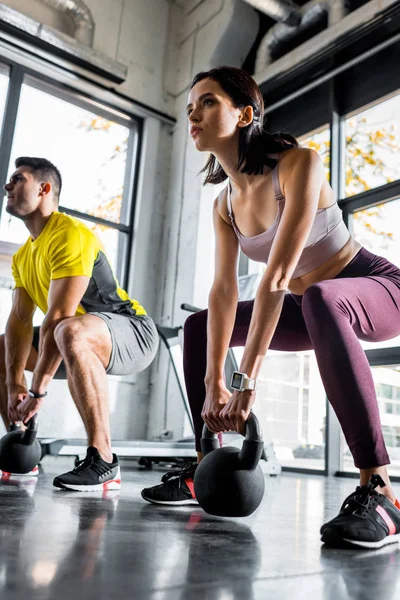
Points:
(22, 74)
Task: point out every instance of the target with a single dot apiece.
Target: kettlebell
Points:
(229, 482)
(20, 451)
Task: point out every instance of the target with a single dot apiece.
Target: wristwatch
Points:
(33, 394)
(241, 382)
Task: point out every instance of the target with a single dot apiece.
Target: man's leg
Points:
(3, 389)
(85, 345)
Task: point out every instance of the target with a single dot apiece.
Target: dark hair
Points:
(42, 169)
(255, 143)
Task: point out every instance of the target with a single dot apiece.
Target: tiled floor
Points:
(57, 545)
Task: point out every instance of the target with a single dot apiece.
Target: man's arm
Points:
(64, 297)
(18, 345)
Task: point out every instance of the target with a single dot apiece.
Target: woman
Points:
(320, 290)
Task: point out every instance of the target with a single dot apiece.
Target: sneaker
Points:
(366, 519)
(33, 473)
(91, 474)
(176, 489)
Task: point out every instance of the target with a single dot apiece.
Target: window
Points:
(320, 141)
(377, 229)
(372, 146)
(91, 151)
(5, 255)
(4, 80)
(291, 406)
(387, 385)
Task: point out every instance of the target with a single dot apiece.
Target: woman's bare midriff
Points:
(328, 270)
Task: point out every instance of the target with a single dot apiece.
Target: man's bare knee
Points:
(70, 336)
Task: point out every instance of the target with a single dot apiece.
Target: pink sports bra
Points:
(328, 234)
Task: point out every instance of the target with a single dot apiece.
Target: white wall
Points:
(133, 32)
(211, 33)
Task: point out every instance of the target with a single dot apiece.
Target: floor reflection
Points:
(222, 553)
(358, 574)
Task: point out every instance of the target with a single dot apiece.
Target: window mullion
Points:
(9, 122)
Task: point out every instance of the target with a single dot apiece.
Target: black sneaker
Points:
(91, 474)
(176, 489)
(366, 519)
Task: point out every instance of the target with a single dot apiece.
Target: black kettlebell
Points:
(20, 451)
(229, 482)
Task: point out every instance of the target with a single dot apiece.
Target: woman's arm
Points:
(223, 297)
(302, 175)
(222, 306)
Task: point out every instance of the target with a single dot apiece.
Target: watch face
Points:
(237, 381)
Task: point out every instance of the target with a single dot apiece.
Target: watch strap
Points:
(249, 383)
(33, 394)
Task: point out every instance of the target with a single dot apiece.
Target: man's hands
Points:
(16, 394)
(224, 411)
(21, 407)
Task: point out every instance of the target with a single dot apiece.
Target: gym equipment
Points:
(229, 482)
(20, 451)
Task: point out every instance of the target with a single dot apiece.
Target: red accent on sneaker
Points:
(385, 516)
(190, 484)
(397, 504)
(107, 483)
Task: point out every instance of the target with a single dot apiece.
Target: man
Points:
(91, 326)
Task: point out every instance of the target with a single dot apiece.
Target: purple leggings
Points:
(362, 302)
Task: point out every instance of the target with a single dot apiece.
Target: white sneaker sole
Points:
(173, 503)
(390, 539)
(113, 484)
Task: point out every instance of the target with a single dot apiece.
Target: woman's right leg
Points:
(290, 335)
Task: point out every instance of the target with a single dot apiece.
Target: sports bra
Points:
(328, 234)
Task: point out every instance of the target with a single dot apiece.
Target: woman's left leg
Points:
(339, 312)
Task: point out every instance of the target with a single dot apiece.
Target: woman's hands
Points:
(236, 412)
(217, 396)
(224, 411)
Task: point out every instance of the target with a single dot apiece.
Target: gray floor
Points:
(59, 545)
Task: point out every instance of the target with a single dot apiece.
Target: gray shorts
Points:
(134, 343)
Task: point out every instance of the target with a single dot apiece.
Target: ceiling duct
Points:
(80, 15)
(57, 45)
(312, 13)
(283, 11)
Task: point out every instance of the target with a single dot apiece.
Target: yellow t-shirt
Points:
(67, 248)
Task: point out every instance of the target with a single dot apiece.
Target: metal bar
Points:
(126, 215)
(332, 427)
(131, 151)
(383, 356)
(9, 122)
(304, 471)
(136, 162)
(378, 195)
(333, 73)
(93, 219)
